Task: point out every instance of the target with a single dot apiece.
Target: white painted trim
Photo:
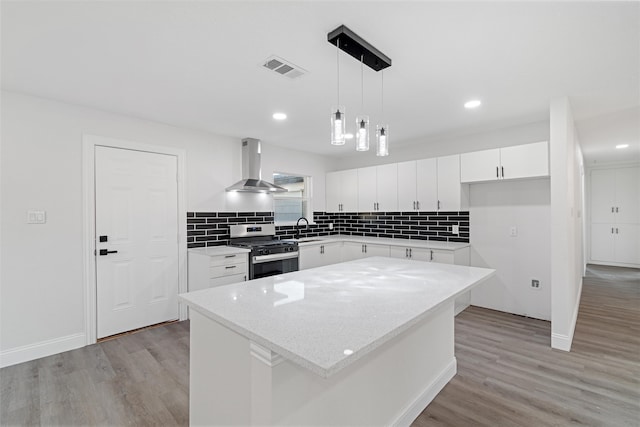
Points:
(409, 415)
(89, 142)
(563, 342)
(265, 355)
(614, 264)
(41, 349)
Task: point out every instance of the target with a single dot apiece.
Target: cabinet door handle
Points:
(438, 204)
(612, 209)
(502, 167)
(230, 266)
(611, 230)
(431, 258)
(616, 209)
(406, 252)
(414, 205)
(410, 254)
(418, 204)
(616, 231)
(497, 172)
(365, 249)
(229, 256)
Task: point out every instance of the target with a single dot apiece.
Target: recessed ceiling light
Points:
(474, 103)
(622, 145)
(348, 136)
(279, 116)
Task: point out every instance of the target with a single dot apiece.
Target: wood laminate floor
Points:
(507, 373)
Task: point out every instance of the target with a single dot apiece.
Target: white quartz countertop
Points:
(326, 318)
(414, 243)
(219, 250)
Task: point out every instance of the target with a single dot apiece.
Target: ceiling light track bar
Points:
(358, 48)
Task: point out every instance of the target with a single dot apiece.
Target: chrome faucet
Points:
(298, 226)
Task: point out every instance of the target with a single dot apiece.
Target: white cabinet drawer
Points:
(227, 280)
(227, 259)
(227, 270)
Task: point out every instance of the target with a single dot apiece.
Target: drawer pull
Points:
(230, 266)
(229, 256)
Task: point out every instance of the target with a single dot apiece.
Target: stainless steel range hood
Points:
(251, 181)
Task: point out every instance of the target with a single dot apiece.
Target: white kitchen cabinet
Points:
(319, 255)
(516, 162)
(450, 195)
(342, 191)
(407, 186)
(212, 267)
(353, 250)
(615, 243)
(427, 185)
(615, 216)
(377, 188)
(524, 161)
(417, 254)
(431, 185)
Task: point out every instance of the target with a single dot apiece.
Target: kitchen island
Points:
(367, 342)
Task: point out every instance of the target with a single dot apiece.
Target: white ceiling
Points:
(197, 64)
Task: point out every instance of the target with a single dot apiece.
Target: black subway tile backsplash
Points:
(212, 228)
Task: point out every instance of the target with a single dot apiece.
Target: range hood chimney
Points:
(251, 181)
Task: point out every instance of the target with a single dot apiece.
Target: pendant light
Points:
(338, 119)
(382, 130)
(362, 121)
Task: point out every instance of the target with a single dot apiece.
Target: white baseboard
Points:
(40, 349)
(430, 393)
(563, 342)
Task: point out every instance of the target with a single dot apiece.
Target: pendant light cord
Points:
(362, 83)
(382, 96)
(338, 69)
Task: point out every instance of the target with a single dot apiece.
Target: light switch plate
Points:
(36, 217)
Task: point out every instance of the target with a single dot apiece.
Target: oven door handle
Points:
(266, 258)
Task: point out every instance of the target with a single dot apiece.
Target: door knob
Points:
(106, 252)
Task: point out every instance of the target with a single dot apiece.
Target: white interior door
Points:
(137, 211)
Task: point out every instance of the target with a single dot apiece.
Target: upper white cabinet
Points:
(520, 161)
(450, 196)
(480, 166)
(430, 185)
(377, 188)
(615, 194)
(342, 191)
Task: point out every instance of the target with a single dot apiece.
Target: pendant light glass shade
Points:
(382, 139)
(362, 134)
(338, 125)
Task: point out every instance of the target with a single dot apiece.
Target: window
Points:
(295, 203)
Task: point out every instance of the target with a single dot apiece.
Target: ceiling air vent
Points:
(283, 67)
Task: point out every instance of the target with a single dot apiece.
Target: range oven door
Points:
(270, 265)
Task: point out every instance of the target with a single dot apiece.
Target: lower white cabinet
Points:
(615, 243)
(319, 255)
(208, 269)
(353, 250)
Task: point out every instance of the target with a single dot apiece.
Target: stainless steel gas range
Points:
(269, 256)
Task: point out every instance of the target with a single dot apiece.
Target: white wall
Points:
(494, 209)
(567, 196)
(434, 147)
(42, 304)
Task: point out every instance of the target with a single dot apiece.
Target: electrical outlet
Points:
(535, 284)
(455, 229)
(330, 226)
